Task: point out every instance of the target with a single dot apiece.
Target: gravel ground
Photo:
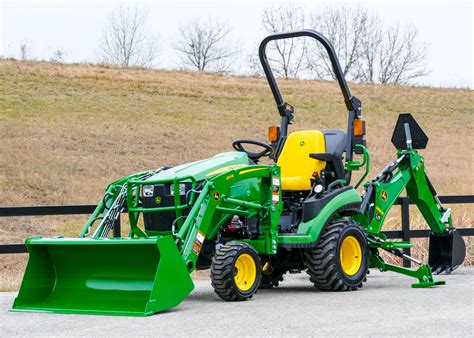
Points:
(386, 305)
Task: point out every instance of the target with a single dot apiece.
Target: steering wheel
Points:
(267, 151)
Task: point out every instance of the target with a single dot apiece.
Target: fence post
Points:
(405, 210)
(117, 232)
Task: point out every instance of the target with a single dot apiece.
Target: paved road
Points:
(387, 305)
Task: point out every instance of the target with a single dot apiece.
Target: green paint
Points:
(148, 272)
(133, 277)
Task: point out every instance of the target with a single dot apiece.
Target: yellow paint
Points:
(350, 255)
(245, 273)
(297, 167)
(380, 211)
(250, 170)
(226, 168)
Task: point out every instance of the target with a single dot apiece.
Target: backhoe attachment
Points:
(407, 173)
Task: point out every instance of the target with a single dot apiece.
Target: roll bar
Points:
(353, 104)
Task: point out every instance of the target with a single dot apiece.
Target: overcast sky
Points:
(75, 27)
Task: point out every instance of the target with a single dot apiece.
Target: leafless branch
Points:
(288, 54)
(126, 39)
(402, 58)
(344, 26)
(204, 45)
(368, 51)
(25, 48)
(58, 56)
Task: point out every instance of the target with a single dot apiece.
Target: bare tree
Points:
(288, 54)
(25, 49)
(368, 51)
(344, 26)
(204, 45)
(58, 56)
(402, 58)
(126, 38)
(254, 66)
(366, 66)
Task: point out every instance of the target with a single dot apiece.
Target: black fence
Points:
(405, 233)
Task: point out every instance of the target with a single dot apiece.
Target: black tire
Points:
(324, 264)
(224, 273)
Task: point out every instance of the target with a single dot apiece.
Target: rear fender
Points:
(309, 231)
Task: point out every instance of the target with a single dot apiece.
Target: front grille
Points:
(161, 196)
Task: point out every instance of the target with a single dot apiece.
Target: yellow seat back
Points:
(297, 167)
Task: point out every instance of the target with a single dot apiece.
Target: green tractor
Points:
(248, 223)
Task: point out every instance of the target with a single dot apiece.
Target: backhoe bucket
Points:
(130, 277)
(447, 251)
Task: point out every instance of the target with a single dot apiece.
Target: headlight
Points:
(148, 190)
(182, 189)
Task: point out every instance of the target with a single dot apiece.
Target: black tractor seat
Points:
(335, 140)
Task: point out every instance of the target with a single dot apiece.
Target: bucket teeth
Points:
(447, 251)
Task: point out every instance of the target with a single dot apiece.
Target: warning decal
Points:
(198, 242)
(276, 190)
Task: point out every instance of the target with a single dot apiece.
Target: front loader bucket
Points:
(447, 251)
(131, 277)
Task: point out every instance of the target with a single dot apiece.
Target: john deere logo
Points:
(216, 196)
(158, 200)
(384, 195)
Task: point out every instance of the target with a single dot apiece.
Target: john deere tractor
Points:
(248, 223)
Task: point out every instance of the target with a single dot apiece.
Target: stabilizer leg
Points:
(423, 273)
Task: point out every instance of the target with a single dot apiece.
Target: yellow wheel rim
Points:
(350, 255)
(245, 272)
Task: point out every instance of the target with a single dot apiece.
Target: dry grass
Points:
(68, 130)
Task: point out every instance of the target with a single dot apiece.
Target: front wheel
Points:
(235, 271)
(340, 260)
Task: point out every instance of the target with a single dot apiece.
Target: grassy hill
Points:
(68, 130)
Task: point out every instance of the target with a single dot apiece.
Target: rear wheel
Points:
(235, 271)
(340, 260)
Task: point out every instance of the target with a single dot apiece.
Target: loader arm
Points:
(216, 197)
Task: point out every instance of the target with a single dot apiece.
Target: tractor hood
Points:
(202, 169)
